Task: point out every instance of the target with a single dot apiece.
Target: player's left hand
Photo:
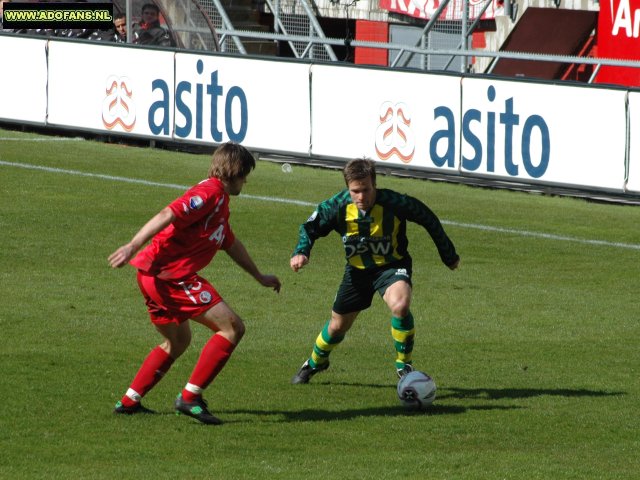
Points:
(121, 256)
(270, 281)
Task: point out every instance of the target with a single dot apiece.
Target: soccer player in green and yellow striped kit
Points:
(372, 224)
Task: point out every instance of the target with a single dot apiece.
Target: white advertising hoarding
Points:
(111, 88)
(23, 79)
(553, 134)
(259, 103)
(196, 98)
(395, 117)
(528, 132)
(634, 142)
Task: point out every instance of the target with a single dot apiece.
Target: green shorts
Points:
(356, 291)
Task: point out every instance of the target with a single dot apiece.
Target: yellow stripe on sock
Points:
(318, 360)
(402, 335)
(322, 345)
(403, 357)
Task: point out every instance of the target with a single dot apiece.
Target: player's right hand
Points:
(298, 261)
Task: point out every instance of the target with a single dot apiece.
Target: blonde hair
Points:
(230, 161)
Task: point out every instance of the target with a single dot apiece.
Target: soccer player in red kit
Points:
(185, 236)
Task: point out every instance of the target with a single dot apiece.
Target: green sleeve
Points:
(321, 222)
(417, 212)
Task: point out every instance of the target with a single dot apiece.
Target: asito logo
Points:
(394, 135)
(200, 101)
(118, 107)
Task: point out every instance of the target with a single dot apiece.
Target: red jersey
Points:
(200, 229)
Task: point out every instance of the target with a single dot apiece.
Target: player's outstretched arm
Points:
(239, 254)
(298, 261)
(126, 252)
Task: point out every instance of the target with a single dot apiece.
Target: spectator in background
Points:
(149, 31)
(120, 27)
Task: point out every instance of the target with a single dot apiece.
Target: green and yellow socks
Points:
(325, 343)
(403, 332)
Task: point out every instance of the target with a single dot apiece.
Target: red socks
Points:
(212, 360)
(157, 363)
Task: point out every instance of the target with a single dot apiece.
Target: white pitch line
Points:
(548, 236)
(91, 175)
(56, 139)
(488, 228)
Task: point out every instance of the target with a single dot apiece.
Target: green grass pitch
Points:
(533, 342)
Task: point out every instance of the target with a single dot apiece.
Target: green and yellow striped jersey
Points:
(377, 237)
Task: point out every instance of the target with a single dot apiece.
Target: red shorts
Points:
(176, 301)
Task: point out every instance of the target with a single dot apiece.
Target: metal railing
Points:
(282, 23)
(205, 25)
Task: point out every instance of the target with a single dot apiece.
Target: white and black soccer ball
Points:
(416, 390)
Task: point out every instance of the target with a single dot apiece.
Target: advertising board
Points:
(559, 134)
(260, 103)
(618, 37)
(23, 81)
(633, 183)
(394, 117)
(108, 88)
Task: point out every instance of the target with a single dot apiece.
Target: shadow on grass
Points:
(314, 415)
(319, 415)
(491, 393)
(501, 393)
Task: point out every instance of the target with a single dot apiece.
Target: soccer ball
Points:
(416, 390)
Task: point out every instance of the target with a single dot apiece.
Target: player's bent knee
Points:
(176, 348)
(239, 329)
(400, 309)
(234, 330)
